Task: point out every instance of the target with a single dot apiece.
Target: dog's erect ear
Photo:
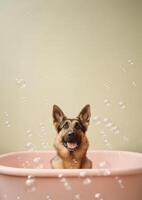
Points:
(84, 116)
(58, 116)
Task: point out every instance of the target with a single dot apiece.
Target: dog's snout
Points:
(71, 135)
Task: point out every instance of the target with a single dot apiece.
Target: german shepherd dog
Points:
(71, 142)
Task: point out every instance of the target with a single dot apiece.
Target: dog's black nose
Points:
(71, 135)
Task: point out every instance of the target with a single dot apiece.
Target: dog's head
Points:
(71, 131)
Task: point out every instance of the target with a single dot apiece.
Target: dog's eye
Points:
(77, 126)
(66, 125)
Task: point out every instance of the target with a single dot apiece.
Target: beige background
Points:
(70, 53)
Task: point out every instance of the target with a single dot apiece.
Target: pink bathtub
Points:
(116, 175)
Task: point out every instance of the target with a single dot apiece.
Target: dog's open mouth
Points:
(71, 146)
(71, 141)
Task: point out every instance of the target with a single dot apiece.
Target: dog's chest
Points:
(71, 163)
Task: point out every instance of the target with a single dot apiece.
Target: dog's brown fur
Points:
(77, 158)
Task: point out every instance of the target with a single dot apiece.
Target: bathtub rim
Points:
(13, 171)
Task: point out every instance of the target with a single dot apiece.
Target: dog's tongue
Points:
(71, 145)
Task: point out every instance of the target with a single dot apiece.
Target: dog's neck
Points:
(73, 162)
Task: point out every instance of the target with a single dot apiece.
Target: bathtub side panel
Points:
(107, 187)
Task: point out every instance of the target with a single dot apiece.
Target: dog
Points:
(71, 142)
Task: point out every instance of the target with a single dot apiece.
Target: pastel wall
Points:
(70, 53)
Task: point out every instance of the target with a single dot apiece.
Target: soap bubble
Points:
(105, 120)
(105, 139)
(30, 184)
(21, 83)
(98, 196)
(134, 83)
(131, 62)
(40, 166)
(60, 175)
(107, 172)
(87, 181)
(66, 184)
(42, 128)
(105, 168)
(7, 124)
(26, 164)
(125, 138)
(18, 197)
(103, 164)
(122, 105)
(107, 102)
(115, 130)
(109, 124)
(97, 120)
(5, 196)
(103, 133)
(124, 69)
(104, 172)
(37, 160)
(30, 146)
(120, 182)
(107, 85)
(6, 114)
(45, 144)
(77, 196)
(83, 174)
(24, 100)
(7, 121)
(29, 133)
(43, 131)
(48, 197)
